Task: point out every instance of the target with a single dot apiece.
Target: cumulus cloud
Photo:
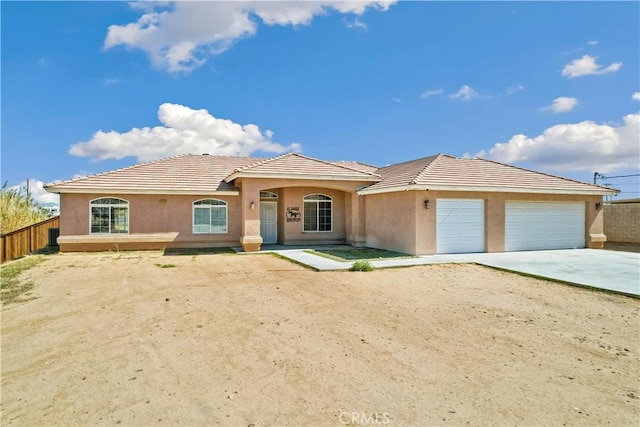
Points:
(465, 93)
(185, 131)
(431, 92)
(579, 146)
(636, 96)
(37, 191)
(513, 89)
(563, 104)
(587, 66)
(180, 36)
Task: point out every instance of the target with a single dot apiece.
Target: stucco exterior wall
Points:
(399, 221)
(622, 222)
(152, 214)
(391, 221)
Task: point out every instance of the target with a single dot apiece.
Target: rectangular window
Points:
(210, 217)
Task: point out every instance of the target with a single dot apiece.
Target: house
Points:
(437, 204)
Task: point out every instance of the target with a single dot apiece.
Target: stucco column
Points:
(356, 235)
(595, 223)
(250, 206)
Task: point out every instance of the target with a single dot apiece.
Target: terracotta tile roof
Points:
(447, 171)
(296, 165)
(203, 174)
(184, 173)
(363, 167)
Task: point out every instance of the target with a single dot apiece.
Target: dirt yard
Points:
(145, 339)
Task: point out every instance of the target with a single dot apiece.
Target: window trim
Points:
(109, 205)
(330, 201)
(226, 216)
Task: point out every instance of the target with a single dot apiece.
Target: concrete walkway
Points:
(611, 270)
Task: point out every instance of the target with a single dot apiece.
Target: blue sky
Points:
(93, 86)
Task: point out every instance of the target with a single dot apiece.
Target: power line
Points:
(604, 177)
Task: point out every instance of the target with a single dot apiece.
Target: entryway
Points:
(269, 222)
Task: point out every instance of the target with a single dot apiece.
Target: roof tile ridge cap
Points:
(327, 162)
(259, 163)
(426, 169)
(358, 162)
(93, 175)
(542, 173)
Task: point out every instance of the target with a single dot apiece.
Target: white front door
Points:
(459, 226)
(269, 222)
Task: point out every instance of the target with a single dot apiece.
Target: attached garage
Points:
(459, 226)
(544, 225)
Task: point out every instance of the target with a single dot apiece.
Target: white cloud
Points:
(587, 66)
(563, 104)
(593, 42)
(465, 93)
(110, 82)
(37, 191)
(636, 96)
(513, 89)
(431, 92)
(578, 146)
(185, 131)
(356, 23)
(180, 36)
(397, 100)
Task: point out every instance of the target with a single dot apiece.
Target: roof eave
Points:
(88, 190)
(323, 177)
(488, 189)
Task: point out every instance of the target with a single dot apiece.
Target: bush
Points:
(361, 265)
(18, 209)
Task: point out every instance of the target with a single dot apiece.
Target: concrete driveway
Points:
(616, 271)
(612, 270)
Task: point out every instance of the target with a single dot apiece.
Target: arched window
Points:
(209, 216)
(268, 195)
(317, 213)
(109, 215)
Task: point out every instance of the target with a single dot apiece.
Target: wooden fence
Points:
(27, 239)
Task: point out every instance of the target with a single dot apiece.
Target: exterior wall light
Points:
(598, 206)
(427, 204)
(252, 206)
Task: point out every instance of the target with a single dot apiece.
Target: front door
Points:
(269, 222)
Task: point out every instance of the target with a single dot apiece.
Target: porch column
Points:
(356, 235)
(250, 240)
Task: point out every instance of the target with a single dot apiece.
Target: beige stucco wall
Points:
(399, 221)
(154, 214)
(622, 222)
(149, 214)
(391, 221)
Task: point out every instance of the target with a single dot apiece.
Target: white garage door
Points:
(543, 225)
(459, 226)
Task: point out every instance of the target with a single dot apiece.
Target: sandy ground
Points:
(114, 339)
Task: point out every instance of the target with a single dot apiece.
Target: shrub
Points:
(361, 265)
(18, 209)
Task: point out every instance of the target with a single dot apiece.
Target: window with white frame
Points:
(109, 215)
(209, 216)
(317, 213)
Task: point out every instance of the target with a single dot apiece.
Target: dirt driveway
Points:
(145, 339)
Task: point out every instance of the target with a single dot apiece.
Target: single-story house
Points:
(437, 204)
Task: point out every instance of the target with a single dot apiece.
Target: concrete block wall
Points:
(622, 222)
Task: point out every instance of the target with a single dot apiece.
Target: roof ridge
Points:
(272, 159)
(543, 173)
(427, 168)
(334, 164)
(93, 175)
(260, 162)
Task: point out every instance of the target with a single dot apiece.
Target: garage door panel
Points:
(544, 225)
(459, 225)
